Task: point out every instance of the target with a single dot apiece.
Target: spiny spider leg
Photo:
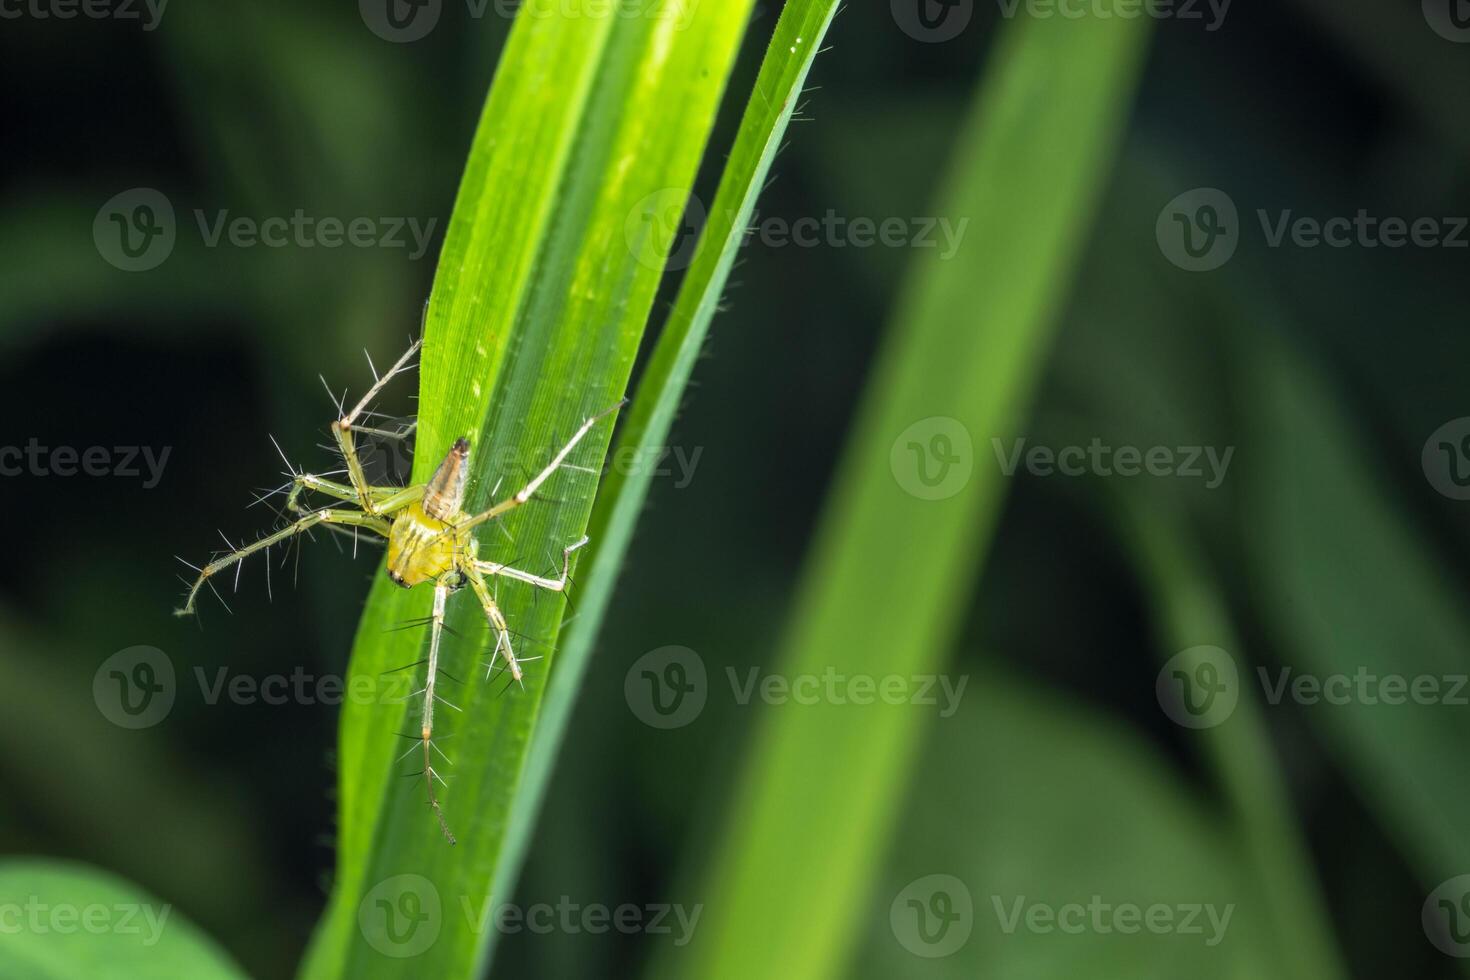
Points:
(330, 517)
(343, 427)
(553, 584)
(498, 623)
(387, 499)
(402, 433)
(441, 594)
(525, 493)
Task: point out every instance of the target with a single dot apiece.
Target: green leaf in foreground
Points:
(69, 922)
(594, 126)
(812, 812)
(798, 36)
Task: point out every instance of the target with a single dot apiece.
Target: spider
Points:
(430, 539)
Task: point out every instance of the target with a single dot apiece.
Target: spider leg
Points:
(436, 633)
(524, 493)
(497, 622)
(386, 499)
(329, 517)
(343, 428)
(558, 584)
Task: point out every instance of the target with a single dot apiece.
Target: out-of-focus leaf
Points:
(1027, 802)
(813, 809)
(62, 921)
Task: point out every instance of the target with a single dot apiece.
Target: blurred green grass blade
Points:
(1009, 803)
(1191, 613)
(59, 935)
(812, 812)
(541, 297)
(1346, 587)
(788, 61)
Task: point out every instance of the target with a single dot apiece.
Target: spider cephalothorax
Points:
(427, 538)
(430, 539)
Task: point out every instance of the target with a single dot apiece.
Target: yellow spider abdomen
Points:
(421, 548)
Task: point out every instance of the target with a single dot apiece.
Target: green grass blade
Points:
(1191, 613)
(540, 300)
(1347, 589)
(1017, 788)
(67, 920)
(884, 587)
(788, 61)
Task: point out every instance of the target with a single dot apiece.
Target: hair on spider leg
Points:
(412, 624)
(399, 670)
